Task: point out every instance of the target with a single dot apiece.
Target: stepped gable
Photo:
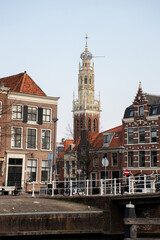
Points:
(140, 97)
(22, 83)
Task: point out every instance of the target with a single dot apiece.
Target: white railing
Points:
(127, 185)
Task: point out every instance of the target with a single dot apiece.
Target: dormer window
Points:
(154, 110)
(141, 108)
(117, 135)
(131, 113)
(107, 138)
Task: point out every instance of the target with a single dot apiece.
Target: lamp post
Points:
(121, 151)
(55, 119)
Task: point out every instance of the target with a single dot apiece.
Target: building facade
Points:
(27, 132)
(141, 126)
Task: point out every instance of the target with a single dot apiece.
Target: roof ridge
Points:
(23, 80)
(12, 75)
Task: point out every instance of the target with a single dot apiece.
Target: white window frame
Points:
(27, 138)
(32, 121)
(13, 105)
(12, 137)
(50, 139)
(151, 135)
(49, 170)
(36, 169)
(45, 115)
(151, 158)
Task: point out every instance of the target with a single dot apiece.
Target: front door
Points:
(14, 172)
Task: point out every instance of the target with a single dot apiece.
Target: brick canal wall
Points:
(28, 224)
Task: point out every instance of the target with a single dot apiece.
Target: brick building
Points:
(27, 132)
(141, 126)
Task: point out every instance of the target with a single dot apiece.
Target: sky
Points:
(46, 37)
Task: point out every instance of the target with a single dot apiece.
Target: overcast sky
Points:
(46, 37)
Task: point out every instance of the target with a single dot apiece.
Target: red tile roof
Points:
(115, 142)
(66, 144)
(22, 83)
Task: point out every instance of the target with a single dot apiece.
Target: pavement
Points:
(26, 203)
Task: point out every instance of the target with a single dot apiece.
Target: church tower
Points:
(86, 109)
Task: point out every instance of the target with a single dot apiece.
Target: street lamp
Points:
(121, 151)
(55, 119)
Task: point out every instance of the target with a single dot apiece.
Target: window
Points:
(142, 159)
(131, 113)
(153, 134)
(17, 111)
(114, 159)
(142, 135)
(77, 125)
(16, 137)
(107, 138)
(154, 110)
(81, 123)
(46, 139)
(95, 125)
(117, 135)
(45, 171)
(46, 115)
(85, 80)
(73, 167)
(67, 168)
(141, 110)
(96, 160)
(130, 159)
(31, 170)
(89, 125)
(153, 158)
(130, 136)
(31, 138)
(32, 114)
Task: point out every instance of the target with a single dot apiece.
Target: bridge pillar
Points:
(130, 230)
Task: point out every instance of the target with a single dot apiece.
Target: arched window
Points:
(95, 125)
(81, 80)
(81, 124)
(77, 125)
(89, 125)
(85, 80)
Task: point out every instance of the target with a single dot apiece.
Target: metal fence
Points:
(127, 185)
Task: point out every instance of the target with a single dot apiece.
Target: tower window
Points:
(77, 125)
(90, 80)
(85, 80)
(95, 125)
(89, 125)
(81, 123)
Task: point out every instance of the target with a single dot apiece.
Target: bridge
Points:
(27, 215)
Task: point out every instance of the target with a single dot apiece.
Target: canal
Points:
(64, 237)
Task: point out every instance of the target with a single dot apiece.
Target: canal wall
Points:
(51, 223)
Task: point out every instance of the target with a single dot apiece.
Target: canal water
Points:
(64, 237)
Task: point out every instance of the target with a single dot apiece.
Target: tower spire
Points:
(86, 37)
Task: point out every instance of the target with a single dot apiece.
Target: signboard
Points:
(79, 171)
(126, 172)
(105, 162)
